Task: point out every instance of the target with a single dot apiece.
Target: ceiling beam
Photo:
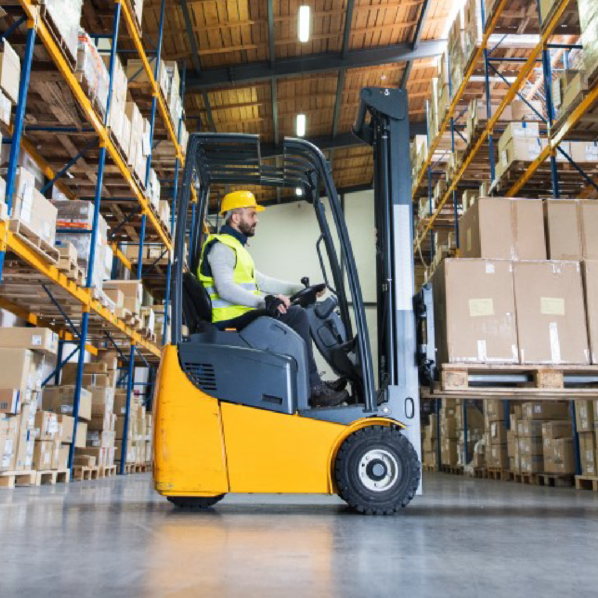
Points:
(313, 63)
(206, 103)
(347, 31)
(191, 37)
(338, 102)
(419, 28)
(271, 44)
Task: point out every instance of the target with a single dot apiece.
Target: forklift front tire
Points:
(195, 503)
(377, 470)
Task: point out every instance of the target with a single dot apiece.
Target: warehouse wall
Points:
(285, 247)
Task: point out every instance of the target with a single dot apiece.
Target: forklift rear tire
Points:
(377, 470)
(195, 503)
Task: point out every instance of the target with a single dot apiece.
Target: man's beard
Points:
(247, 229)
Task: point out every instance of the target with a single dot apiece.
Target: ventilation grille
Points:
(202, 375)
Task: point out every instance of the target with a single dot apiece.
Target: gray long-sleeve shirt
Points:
(222, 262)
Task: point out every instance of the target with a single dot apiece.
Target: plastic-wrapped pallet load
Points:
(78, 215)
(93, 72)
(66, 19)
(588, 20)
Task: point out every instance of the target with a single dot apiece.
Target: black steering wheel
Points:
(308, 295)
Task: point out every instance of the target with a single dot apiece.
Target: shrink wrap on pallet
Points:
(65, 16)
(93, 72)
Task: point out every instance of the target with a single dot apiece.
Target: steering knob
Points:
(305, 281)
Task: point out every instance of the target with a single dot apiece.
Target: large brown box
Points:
(587, 453)
(60, 399)
(584, 416)
(590, 280)
(545, 410)
(21, 369)
(559, 456)
(572, 229)
(474, 310)
(563, 229)
(503, 228)
(557, 429)
(551, 322)
(42, 340)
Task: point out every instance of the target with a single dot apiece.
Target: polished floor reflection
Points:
(464, 538)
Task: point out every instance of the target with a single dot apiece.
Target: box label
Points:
(552, 306)
(481, 307)
(36, 340)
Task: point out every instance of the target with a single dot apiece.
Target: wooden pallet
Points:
(85, 473)
(586, 482)
(428, 467)
(496, 473)
(34, 241)
(62, 476)
(523, 477)
(477, 472)
(452, 469)
(107, 471)
(545, 382)
(555, 480)
(11, 479)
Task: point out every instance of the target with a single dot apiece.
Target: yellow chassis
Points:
(205, 447)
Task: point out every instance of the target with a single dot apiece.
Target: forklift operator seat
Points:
(263, 363)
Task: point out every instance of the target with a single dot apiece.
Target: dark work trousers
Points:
(295, 318)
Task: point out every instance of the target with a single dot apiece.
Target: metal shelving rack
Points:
(567, 129)
(93, 324)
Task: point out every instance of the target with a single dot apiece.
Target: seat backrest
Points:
(197, 305)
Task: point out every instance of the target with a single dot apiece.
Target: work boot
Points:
(336, 385)
(324, 396)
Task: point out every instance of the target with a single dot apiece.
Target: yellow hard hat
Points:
(239, 199)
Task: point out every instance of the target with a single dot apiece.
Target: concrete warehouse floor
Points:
(117, 538)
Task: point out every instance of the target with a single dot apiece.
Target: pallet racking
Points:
(556, 35)
(71, 308)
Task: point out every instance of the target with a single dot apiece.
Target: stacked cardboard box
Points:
(32, 208)
(588, 20)
(65, 16)
(475, 430)
(586, 419)
(496, 434)
(132, 293)
(139, 429)
(10, 72)
(430, 442)
(20, 381)
(116, 118)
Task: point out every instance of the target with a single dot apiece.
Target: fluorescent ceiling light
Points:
(301, 122)
(304, 23)
(299, 191)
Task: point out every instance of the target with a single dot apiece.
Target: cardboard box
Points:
(10, 72)
(531, 463)
(545, 410)
(503, 228)
(60, 399)
(529, 428)
(587, 453)
(60, 456)
(557, 429)
(42, 455)
(494, 410)
(551, 322)
(100, 422)
(66, 426)
(563, 229)
(84, 460)
(448, 428)
(10, 401)
(498, 456)
(519, 150)
(584, 416)
(590, 286)
(559, 456)
(21, 369)
(81, 438)
(46, 426)
(498, 433)
(98, 452)
(474, 311)
(42, 340)
(530, 446)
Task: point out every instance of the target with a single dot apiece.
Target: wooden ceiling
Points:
(232, 33)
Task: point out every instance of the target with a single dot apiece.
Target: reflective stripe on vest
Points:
(244, 276)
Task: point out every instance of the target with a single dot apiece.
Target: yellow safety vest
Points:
(244, 276)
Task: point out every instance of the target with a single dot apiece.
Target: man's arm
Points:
(222, 262)
(273, 286)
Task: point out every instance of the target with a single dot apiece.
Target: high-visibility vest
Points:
(244, 276)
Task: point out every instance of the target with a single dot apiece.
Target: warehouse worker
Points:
(227, 271)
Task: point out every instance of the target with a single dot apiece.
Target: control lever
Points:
(325, 308)
(305, 281)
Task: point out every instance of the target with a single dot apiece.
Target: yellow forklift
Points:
(231, 411)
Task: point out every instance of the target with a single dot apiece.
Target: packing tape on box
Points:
(555, 346)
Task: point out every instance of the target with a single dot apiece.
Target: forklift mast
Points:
(383, 122)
